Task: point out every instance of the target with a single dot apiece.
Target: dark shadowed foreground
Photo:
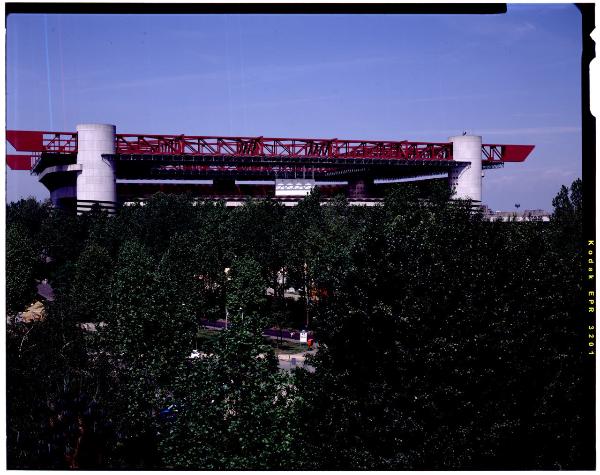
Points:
(445, 341)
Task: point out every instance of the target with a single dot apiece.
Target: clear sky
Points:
(512, 78)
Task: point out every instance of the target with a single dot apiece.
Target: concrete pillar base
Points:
(96, 181)
(358, 189)
(465, 180)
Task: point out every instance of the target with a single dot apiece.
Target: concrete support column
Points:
(357, 189)
(59, 194)
(96, 181)
(465, 180)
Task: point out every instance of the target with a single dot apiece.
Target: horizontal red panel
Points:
(19, 162)
(516, 153)
(26, 140)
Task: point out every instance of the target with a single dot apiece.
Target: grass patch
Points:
(286, 347)
(207, 337)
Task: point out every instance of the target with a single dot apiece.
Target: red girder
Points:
(252, 168)
(132, 144)
(36, 141)
(279, 147)
(20, 162)
(506, 153)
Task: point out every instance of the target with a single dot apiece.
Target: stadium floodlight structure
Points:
(97, 165)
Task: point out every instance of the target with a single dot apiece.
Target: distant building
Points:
(518, 216)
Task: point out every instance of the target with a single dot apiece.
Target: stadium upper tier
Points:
(97, 165)
(250, 150)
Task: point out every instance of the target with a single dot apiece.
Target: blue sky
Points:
(512, 78)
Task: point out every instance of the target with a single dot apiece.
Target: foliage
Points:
(246, 293)
(233, 409)
(161, 217)
(91, 285)
(53, 417)
(28, 213)
(148, 334)
(436, 341)
(445, 341)
(21, 266)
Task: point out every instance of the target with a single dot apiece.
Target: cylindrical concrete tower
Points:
(466, 180)
(96, 181)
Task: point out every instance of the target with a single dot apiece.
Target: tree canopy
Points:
(446, 341)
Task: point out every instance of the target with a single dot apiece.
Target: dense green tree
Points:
(50, 395)
(90, 292)
(62, 238)
(445, 341)
(434, 342)
(260, 228)
(180, 273)
(22, 261)
(28, 213)
(231, 408)
(147, 335)
(264, 218)
(53, 392)
(246, 293)
(302, 238)
(567, 219)
(212, 241)
(102, 229)
(157, 220)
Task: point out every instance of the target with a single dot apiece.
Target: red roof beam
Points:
(506, 153)
(39, 141)
(66, 142)
(20, 162)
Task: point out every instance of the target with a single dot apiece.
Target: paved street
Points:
(292, 361)
(287, 361)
